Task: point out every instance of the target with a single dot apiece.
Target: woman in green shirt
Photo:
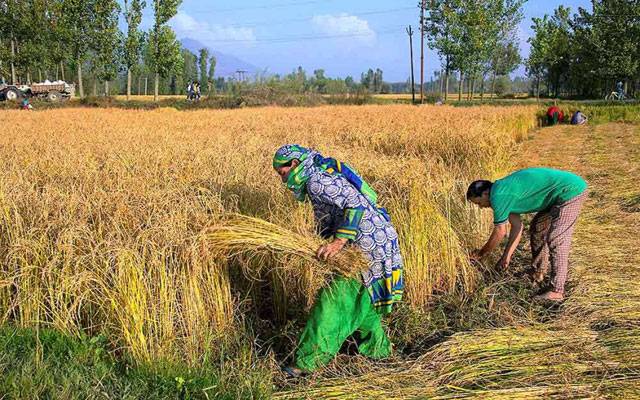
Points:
(555, 196)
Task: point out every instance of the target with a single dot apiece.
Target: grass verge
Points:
(47, 364)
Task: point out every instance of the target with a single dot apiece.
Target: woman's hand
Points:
(329, 250)
(475, 255)
(503, 263)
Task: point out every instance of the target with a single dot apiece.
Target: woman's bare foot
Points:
(551, 296)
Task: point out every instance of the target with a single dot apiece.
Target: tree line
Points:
(81, 40)
(43, 39)
(475, 38)
(586, 54)
(581, 55)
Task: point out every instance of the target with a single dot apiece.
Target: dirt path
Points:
(606, 251)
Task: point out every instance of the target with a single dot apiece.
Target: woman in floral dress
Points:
(346, 210)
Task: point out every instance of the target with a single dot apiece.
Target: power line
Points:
(282, 22)
(286, 39)
(278, 5)
(614, 15)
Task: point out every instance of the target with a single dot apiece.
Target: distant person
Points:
(554, 115)
(578, 118)
(190, 91)
(556, 197)
(620, 90)
(196, 90)
(25, 105)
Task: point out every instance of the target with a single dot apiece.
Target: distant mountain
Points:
(226, 64)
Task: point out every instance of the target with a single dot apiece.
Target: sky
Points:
(343, 37)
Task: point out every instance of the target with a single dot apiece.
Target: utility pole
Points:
(422, 7)
(413, 85)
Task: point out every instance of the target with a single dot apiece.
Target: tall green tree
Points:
(503, 49)
(10, 23)
(107, 41)
(367, 80)
(551, 48)
(189, 69)
(350, 83)
(204, 59)
(505, 59)
(466, 33)
(133, 43)
(6, 41)
(378, 81)
(296, 81)
(164, 44)
(34, 49)
(616, 38)
(78, 29)
(584, 78)
(58, 49)
(319, 81)
(26, 51)
(444, 35)
(540, 42)
(211, 85)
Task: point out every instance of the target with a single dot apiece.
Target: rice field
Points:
(169, 233)
(588, 348)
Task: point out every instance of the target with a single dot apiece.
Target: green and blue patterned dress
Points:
(346, 207)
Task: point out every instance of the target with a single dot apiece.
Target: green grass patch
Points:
(48, 364)
(597, 112)
(257, 98)
(600, 113)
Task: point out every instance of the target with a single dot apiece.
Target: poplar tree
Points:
(204, 58)
(165, 48)
(107, 41)
(133, 42)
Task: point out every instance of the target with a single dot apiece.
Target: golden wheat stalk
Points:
(98, 216)
(522, 362)
(251, 237)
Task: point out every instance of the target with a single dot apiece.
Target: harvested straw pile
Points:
(262, 247)
(521, 362)
(255, 237)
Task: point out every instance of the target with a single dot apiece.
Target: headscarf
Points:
(310, 161)
(298, 176)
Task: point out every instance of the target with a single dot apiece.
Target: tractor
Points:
(51, 91)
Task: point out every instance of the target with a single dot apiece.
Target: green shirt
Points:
(532, 190)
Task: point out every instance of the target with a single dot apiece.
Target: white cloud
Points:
(186, 26)
(343, 24)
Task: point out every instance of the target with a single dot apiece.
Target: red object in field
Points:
(554, 109)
